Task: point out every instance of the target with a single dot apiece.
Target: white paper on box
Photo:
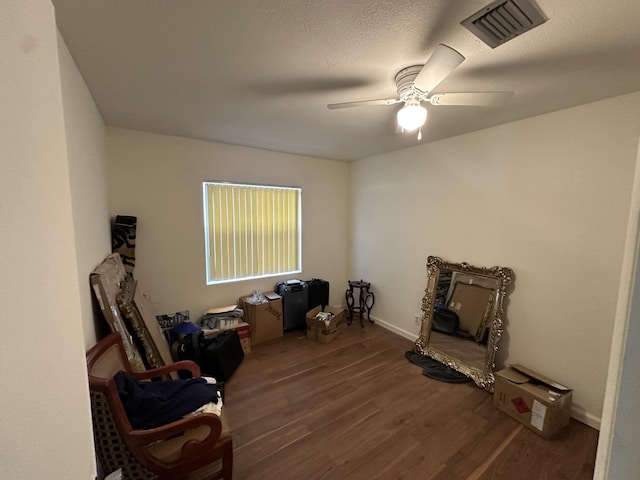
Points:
(538, 412)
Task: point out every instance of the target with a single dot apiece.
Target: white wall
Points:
(624, 447)
(45, 418)
(158, 179)
(547, 196)
(86, 152)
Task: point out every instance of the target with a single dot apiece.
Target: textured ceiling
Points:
(260, 72)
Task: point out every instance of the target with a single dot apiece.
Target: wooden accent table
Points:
(366, 300)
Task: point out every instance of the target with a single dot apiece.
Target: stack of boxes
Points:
(217, 320)
(264, 321)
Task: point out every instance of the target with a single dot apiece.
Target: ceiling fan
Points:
(414, 84)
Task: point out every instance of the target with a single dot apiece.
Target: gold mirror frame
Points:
(138, 313)
(481, 373)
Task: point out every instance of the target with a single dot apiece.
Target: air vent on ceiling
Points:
(503, 20)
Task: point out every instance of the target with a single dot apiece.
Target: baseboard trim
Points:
(585, 417)
(399, 331)
(576, 412)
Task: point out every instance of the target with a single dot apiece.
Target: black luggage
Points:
(221, 356)
(318, 293)
(295, 302)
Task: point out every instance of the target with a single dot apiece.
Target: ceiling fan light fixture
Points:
(412, 116)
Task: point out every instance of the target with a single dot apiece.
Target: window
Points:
(251, 231)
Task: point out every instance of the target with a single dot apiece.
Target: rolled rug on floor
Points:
(436, 370)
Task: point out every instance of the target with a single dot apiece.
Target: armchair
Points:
(195, 447)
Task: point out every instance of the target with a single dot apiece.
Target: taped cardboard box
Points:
(534, 400)
(324, 330)
(265, 319)
(318, 335)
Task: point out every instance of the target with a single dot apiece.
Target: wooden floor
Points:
(357, 409)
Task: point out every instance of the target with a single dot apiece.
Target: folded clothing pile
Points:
(152, 404)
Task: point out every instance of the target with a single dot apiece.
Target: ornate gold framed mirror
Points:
(476, 296)
(138, 313)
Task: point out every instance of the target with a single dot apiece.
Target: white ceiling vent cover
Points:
(503, 20)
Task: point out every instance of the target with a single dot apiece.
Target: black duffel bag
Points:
(445, 321)
(220, 356)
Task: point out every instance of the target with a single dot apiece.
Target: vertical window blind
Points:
(251, 231)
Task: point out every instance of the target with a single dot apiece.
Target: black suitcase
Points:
(318, 293)
(295, 303)
(221, 356)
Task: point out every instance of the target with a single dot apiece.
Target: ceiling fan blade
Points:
(479, 99)
(442, 62)
(363, 103)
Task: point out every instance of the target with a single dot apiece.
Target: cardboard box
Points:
(470, 302)
(265, 318)
(319, 335)
(246, 345)
(534, 400)
(221, 310)
(324, 331)
(244, 332)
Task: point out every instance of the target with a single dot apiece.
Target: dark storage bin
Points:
(295, 302)
(318, 293)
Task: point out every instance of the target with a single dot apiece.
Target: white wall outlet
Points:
(417, 318)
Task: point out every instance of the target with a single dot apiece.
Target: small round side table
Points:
(366, 300)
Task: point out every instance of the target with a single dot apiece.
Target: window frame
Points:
(210, 272)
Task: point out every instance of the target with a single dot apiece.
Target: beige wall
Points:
(45, 420)
(547, 196)
(158, 179)
(85, 134)
(619, 440)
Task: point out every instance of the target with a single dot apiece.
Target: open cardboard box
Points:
(324, 331)
(534, 400)
(265, 319)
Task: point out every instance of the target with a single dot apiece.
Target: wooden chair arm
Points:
(147, 436)
(183, 450)
(187, 365)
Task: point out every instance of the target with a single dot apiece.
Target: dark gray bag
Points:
(445, 321)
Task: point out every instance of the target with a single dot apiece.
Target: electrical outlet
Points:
(417, 318)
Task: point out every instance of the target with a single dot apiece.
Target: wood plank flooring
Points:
(358, 409)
